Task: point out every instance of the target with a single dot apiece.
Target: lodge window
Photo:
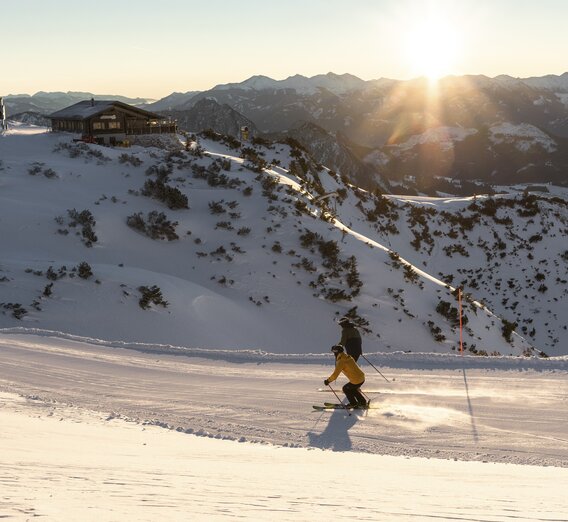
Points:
(98, 125)
(114, 125)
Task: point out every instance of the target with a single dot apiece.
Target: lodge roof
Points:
(84, 110)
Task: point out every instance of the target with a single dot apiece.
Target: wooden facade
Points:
(109, 122)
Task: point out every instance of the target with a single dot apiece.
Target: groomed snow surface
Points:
(95, 432)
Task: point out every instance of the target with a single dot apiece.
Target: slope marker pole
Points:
(461, 322)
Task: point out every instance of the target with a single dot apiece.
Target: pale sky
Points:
(150, 48)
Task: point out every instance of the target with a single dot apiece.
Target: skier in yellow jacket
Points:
(346, 364)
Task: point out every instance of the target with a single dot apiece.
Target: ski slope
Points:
(94, 432)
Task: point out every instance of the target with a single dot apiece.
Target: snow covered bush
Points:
(130, 159)
(84, 270)
(171, 196)
(451, 313)
(39, 168)
(508, 329)
(77, 150)
(155, 226)
(87, 222)
(16, 309)
(151, 295)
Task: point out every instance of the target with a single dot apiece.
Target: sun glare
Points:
(432, 48)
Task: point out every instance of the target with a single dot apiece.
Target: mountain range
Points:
(412, 133)
(497, 130)
(45, 103)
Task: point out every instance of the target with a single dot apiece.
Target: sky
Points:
(150, 49)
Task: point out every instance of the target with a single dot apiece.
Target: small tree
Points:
(84, 270)
(151, 295)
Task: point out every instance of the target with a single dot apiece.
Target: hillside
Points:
(251, 259)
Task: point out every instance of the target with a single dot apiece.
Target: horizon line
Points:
(382, 78)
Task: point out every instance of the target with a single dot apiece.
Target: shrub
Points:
(451, 313)
(171, 196)
(353, 280)
(37, 168)
(508, 329)
(130, 159)
(336, 294)
(409, 274)
(436, 332)
(156, 225)
(87, 222)
(309, 239)
(224, 224)
(357, 320)
(18, 311)
(162, 172)
(84, 270)
(216, 207)
(152, 295)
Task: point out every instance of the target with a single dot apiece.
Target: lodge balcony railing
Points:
(168, 127)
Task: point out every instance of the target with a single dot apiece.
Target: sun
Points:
(432, 48)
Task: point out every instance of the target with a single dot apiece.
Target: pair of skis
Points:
(333, 406)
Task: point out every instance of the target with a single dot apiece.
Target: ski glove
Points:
(326, 382)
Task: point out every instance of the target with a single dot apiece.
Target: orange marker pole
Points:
(461, 330)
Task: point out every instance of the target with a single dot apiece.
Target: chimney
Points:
(92, 102)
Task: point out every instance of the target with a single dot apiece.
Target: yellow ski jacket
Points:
(346, 364)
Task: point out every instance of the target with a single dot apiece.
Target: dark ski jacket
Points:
(351, 340)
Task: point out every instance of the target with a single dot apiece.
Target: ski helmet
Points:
(337, 348)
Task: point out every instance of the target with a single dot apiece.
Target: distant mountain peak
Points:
(335, 83)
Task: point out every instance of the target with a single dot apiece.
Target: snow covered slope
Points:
(219, 247)
(508, 251)
(93, 432)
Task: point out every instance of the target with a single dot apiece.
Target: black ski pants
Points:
(354, 395)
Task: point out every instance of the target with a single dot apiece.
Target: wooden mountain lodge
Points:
(109, 122)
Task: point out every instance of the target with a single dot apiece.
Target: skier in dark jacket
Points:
(350, 338)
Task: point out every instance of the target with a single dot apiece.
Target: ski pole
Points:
(339, 400)
(378, 371)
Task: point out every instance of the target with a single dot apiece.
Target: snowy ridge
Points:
(442, 136)
(338, 84)
(523, 135)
